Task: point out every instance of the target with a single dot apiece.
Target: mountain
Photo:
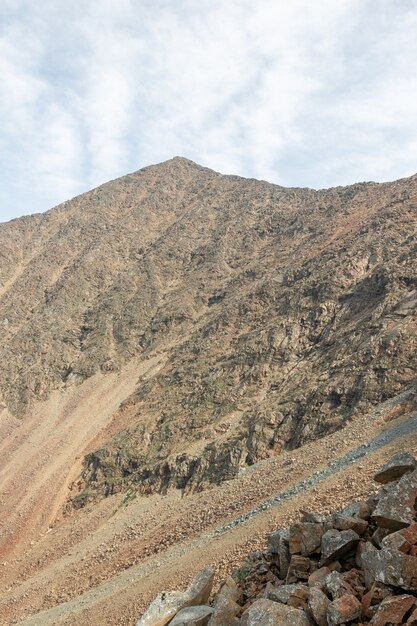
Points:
(163, 333)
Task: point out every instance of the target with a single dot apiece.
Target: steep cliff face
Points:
(282, 314)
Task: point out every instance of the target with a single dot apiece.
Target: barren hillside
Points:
(167, 330)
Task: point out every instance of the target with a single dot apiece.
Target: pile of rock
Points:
(357, 566)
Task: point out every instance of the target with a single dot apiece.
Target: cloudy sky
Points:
(302, 93)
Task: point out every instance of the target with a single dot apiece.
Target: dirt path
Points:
(119, 562)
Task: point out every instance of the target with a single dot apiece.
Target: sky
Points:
(312, 93)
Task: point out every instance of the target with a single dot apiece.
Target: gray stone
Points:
(391, 567)
(200, 589)
(335, 544)
(169, 603)
(360, 509)
(336, 586)
(345, 522)
(193, 616)
(395, 509)
(295, 595)
(278, 544)
(267, 613)
(400, 464)
(318, 603)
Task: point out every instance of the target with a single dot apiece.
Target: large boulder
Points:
(294, 595)
(342, 521)
(269, 613)
(396, 506)
(200, 589)
(400, 464)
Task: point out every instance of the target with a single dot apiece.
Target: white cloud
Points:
(300, 93)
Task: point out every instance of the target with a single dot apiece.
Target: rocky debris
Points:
(200, 589)
(168, 604)
(392, 567)
(400, 464)
(343, 568)
(305, 538)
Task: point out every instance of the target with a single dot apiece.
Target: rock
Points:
(318, 604)
(392, 610)
(391, 568)
(200, 589)
(395, 509)
(193, 616)
(164, 608)
(343, 610)
(345, 522)
(400, 464)
(226, 605)
(396, 541)
(316, 579)
(298, 568)
(293, 595)
(372, 599)
(410, 534)
(169, 603)
(379, 535)
(336, 586)
(311, 517)
(305, 538)
(361, 548)
(278, 543)
(360, 509)
(412, 620)
(268, 613)
(335, 544)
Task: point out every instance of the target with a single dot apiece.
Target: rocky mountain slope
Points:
(281, 315)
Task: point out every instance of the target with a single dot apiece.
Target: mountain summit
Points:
(281, 313)
(163, 334)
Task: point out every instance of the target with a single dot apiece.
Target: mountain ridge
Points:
(176, 257)
(177, 330)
